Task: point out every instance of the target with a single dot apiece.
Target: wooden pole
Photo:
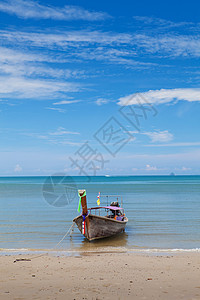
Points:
(84, 209)
(83, 201)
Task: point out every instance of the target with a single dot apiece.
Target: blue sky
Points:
(99, 87)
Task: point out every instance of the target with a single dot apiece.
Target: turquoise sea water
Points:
(163, 211)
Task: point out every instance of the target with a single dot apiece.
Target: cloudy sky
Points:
(99, 87)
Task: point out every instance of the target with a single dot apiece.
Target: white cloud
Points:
(171, 45)
(180, 144)
(19, 87)
(162, 96)
(182, 169)
(17, 168)
(34, 69)
(63, 102)
(46, 71)
(113, 55)
(25, 74)
(27, 63)
(86, 44)
(150, 168)
(134, 169)
(160, 136)
(32, 9)
(56, 109)
(62, 131)
(64, 39)
(185, 169)
(188, 157)
(159, 22)
(101, 101)
(17, 56)
(60, 136)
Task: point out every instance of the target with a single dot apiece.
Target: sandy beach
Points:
(101, 276)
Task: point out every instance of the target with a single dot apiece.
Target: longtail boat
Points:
(101, 221)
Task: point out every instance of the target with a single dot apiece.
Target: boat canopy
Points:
(107, 207)
(113, 207)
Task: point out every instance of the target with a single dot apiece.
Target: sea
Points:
(163, 213)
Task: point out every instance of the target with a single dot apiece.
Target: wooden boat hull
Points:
(101, 227)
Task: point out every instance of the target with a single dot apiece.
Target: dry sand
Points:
(101, 276)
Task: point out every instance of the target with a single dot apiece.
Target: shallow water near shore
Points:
(163, 212)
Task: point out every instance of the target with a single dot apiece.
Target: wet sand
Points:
(101, 276)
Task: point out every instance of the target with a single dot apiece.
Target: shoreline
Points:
(101, 250)
(93, 275)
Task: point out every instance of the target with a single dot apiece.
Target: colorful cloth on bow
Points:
(79, 204)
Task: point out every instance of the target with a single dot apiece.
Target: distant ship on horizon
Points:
(172, 174)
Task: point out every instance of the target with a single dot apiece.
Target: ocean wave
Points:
(164, 250)
(72, 252)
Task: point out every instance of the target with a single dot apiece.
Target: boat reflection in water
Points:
(118, 241)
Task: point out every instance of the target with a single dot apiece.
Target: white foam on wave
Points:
(164, 250)
(186, 250)
(72, 252)
(13, 249)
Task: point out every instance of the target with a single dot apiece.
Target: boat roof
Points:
(108, 207)
(113, 207)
